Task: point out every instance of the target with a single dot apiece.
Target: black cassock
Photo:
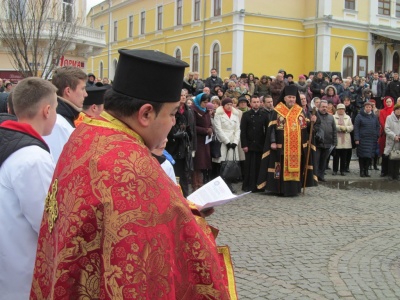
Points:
(271, 171)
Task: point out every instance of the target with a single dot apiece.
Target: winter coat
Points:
(262, 89)
(253, 128)
(392, 128)
(317, 85)
(379, 88)
(393, 89)
(302, 87)
(276, 88)
(334, 98)
(202, 159)
(228, 131)
(326, 123)
(212, 82)
(366, 131)
(346, 142)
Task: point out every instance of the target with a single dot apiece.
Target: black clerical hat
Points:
(290, 90)
(95, 95)
(149, 75)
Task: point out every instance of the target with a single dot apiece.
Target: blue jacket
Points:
(366, 131)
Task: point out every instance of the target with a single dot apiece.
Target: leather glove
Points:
(233, 145)
(229, 146)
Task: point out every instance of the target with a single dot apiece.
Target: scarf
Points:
(197, 101)
(341, 135)
(229, 113)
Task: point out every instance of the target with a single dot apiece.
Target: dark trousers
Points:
(349, 154)
(340, 155)
(385, 165)
(393, 168)
(364, 163)
(179, 168)
(321, 156)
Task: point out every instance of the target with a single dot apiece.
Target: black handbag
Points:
(230, 170)
(215, 147)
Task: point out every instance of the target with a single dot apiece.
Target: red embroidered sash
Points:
(292, 141)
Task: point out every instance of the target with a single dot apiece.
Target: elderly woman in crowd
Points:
(202, 159)
(262, 87)
(366, 133)
(331, 95)
(392, 130)
(231, 92)
(227, 128)
(344, 126)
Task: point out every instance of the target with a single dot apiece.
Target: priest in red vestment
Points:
(115, 226)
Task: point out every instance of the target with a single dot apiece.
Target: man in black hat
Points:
(93, 105)
(285, 148)
(115, 226)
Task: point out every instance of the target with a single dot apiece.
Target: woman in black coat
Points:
(366, 134)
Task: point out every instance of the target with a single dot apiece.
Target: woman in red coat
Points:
(383, 114)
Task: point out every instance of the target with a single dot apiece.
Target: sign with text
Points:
(71, 62)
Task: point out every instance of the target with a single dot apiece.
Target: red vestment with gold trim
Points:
(116, 227)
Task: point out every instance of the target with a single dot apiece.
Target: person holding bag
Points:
(227, 129)
(392, 130)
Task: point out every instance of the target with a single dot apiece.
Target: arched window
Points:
(348, 60)
(178, 54)
(101, 68)
(195, 59)
(378, 61)
(113, 69)
(215, 57)
(395, 67)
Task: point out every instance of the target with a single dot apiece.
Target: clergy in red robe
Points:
(285, 150)
(115, 226)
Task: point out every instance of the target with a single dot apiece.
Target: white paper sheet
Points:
(208, 139)
(214, 193)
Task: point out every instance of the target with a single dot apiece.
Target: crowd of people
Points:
(351, 113)
(93, 214)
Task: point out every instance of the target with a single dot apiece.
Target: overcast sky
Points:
(90, 3)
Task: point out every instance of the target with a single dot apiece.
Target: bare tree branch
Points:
(37, 33)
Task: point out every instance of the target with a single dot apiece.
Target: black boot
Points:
(376, 162)
(361, 163)
(367, 163)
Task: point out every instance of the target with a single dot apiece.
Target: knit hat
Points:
(243, 99)
(302, 76)
(341, 106)
(209, 105)
(226, 101)
(396, 107)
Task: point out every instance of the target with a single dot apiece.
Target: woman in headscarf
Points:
(202, 159)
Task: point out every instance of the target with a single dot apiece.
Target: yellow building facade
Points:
(257, 36)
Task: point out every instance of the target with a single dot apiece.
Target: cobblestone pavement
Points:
(332, 243)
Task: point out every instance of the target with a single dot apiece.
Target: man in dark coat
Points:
(393, 88)
(318, 85)
(253, 128)
(180, 143)
(366, 134)
(213, 81)
(285, 149)
(377, 89)
(326, 124)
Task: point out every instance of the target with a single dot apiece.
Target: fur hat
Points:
(341, 106)
(226, 101)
